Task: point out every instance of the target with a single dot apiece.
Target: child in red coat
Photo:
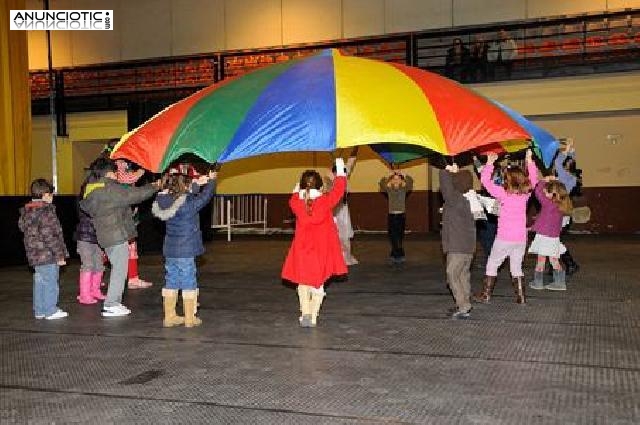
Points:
(315, 254)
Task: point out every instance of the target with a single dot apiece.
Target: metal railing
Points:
(604, 41)
(239, 210)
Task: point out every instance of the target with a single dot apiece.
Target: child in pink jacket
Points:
(511, 239)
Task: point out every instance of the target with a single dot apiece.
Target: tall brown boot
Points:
(488, 284)
(518, 288)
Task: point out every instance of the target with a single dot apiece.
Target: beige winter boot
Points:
(304, 295)
(317, 295)
(170, 297)
(189, 301)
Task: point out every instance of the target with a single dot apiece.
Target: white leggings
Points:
(503, 249)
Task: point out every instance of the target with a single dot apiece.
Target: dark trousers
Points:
(396, 224)
(507, 66)
(478, 71)
(487, 230)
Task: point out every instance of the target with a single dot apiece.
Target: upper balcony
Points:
(539, 48)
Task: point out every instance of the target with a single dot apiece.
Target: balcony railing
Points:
(564, 45)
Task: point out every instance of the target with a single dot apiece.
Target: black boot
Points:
(570, 265)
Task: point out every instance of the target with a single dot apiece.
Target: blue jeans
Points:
(180, 273)
(45, 289)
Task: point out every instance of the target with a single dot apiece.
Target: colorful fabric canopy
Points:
(544, 143)
(320, 103)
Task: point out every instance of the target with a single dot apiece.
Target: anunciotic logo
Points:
(35, 20)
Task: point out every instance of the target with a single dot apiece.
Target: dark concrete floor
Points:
(385, 350)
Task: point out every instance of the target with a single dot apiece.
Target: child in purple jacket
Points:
(555, 204)
(511, 238)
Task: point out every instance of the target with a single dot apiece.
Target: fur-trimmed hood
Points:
(166, 206)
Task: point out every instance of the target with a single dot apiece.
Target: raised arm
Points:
(408, 183)
(494, 190)
(133, 195)
(446, 185)
(477, 164)
(336, 193)
(532, 169)
(384, 184)
(202, 198)
(566, 178)
(351, 163)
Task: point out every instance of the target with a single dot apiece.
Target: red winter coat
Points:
(315, 254)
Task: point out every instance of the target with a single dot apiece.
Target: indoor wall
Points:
(161, 28)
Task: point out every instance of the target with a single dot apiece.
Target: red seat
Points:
(618, 39)
(527, 49)
(548, 47)
(572, 45)
(595, 42)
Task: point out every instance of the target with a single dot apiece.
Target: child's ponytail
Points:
(307, 196)
(310, 180)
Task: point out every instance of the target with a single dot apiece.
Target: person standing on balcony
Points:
(457, 61)
(478, 60)
(501, 54)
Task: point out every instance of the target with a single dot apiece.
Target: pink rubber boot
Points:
(96, 282)
(85, 289)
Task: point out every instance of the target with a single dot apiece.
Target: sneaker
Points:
(57, 315)
(556, 287)
(39, 316)
(114, 311)
(137, 283)
(461, 315)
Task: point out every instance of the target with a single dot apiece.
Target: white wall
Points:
(159, 28)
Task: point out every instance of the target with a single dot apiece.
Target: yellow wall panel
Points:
(37, 42)
(91, 126)
(472, 12)
(92, 47)
(65, 166)
(158, 28)
(279, 173)
(307, 21)
(606, 92)
(197, 26)
(253, 23)
(146, 29)
(41, 147)
(622, 4)
(362, 18)
(607, 147)
(416, 15)
(541, 8)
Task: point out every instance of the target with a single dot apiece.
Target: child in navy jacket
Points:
(179, 208)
